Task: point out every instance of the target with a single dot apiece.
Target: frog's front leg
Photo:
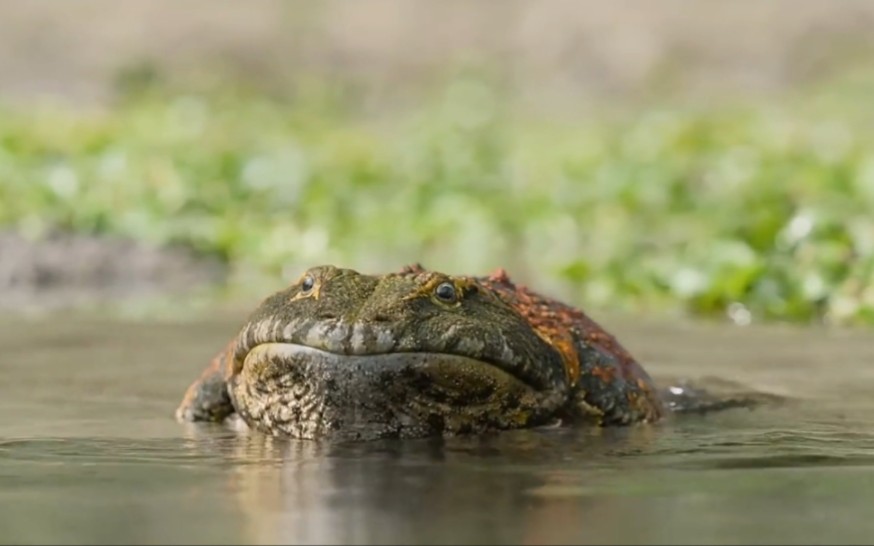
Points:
(207, 398)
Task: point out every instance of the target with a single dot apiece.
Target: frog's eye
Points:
(307, 284)
(446, 292)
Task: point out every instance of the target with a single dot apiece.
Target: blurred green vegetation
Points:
(756, 211)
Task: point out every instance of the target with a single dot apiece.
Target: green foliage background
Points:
(751, 210)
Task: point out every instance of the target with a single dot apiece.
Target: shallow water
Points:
(90, 452)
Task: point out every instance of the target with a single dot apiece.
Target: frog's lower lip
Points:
(305, 392)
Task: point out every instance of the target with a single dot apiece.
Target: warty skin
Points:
(418, 353)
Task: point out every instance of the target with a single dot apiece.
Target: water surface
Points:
(90, 452)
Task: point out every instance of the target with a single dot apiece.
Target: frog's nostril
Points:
(327, 315)
(381, 317)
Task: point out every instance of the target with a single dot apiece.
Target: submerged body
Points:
(418, 353)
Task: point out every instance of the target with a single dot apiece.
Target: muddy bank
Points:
(65, 270)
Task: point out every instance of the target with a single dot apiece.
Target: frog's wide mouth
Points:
(336, 343)
(292, 360)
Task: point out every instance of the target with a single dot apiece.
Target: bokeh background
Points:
(712, 159)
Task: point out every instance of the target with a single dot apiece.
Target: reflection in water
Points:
(634, 485)
(90, 453)
(501, 488)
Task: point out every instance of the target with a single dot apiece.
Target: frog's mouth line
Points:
(275, 358)
(330, 343)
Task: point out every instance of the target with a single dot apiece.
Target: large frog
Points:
(418, 353)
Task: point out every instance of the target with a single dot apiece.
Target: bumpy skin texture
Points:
(605, 380)
(418, 353)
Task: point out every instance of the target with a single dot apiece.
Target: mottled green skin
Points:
(341, 353)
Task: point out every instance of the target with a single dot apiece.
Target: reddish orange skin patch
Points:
(574, 335)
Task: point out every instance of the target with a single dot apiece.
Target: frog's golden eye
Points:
(446, 292)
(307, 284)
